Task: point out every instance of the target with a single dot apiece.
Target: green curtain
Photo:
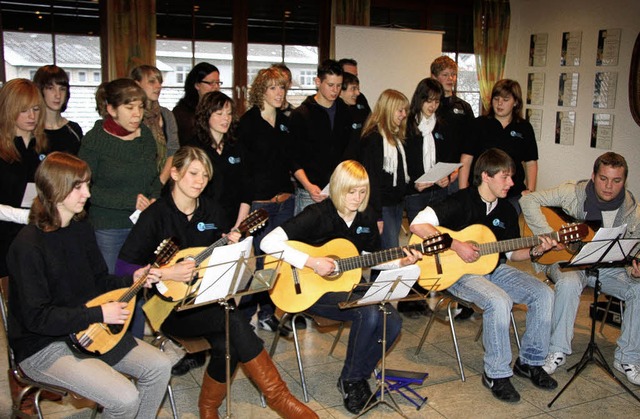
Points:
(131, 38)
(490, 39)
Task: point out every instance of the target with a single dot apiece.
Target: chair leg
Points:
(516, 335)
(429, 324)
(606, 313)
(172, 401)
(337, 339)
(455, 340)
(276, 336)
(299, 357)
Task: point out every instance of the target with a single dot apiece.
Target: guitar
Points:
(296, 290)
(100, 338)
(175, 290)
(556, 218)
(447, 267)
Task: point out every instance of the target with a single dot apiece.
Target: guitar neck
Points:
(376, 258)
(202, 256)
(512, 244)
(137, 286)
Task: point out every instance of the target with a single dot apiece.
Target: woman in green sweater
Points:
(121, 153)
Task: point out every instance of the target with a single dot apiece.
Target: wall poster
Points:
(602, 131)
(571, 47)
(538, 49)
(535, 89)
(565, 127)
(534, 116)
(604, 89)
(568, 89)
(608, 47)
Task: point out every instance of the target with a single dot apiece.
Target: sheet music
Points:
(600, 246)
(380, 289)
(325, 190)
(437, 172)
(218, 277)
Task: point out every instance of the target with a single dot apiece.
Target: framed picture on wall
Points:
(538, 49)
(602, 131)
(571, 47)
(604, 89)
(565, 127)
(608, 47)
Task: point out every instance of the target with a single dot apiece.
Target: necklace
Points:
(195, 208)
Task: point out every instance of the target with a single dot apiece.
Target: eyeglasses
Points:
(212, 83)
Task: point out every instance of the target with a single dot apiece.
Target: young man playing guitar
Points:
(604, 200)
(344, 215)
(496, 292)
(55, 267)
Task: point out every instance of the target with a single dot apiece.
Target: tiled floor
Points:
(592, 394)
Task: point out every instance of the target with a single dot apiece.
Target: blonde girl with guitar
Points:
(194, 220)
(55, 267)
(344, 215)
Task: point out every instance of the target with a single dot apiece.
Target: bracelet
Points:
(533, 255)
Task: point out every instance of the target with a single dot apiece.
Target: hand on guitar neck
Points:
(326, 266)
(115, 312)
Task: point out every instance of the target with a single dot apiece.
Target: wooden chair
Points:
(28, 385)
(446, 296)
(320, 322)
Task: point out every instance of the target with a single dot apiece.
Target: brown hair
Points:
(118, 92)
(611, 159)
(442, 63)
(492, 161)
(508, 87)
(212, 102)
(265, 78)
(55, 178)
(16, 96)
(47, 76)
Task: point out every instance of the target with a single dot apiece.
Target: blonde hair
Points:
(16, 96)
(265, 78)
(55, 178)
(381, 119)
(348, 175)
(187, 155)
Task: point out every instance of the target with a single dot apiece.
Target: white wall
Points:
(561, 162)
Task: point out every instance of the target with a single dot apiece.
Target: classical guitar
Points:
(445, 269)
(100, 338)
(175, 290)
(296, 290)
(556, 218)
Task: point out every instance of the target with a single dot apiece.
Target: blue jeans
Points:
(94, 379)
(495, 294)
(303, 200)
(278, 214)
(392, 219)
(363, 350)
(616, 282)
(110, 242)
(415, 203)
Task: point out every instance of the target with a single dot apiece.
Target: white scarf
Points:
(390, 160)
(426, 126)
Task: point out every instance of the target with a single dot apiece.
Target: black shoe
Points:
(188, 362)
(465, 313)
(355, 394)
(501, 388)
(536, 374)
(270, 323)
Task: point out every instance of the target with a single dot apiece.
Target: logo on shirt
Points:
(438, 136)
(356, 125)
(517, 134)
(42, 156)
(497, 223)
(458, 111)
(206, 226)
(284, 128)
(359, 106)
(363, 230)
(234, 160)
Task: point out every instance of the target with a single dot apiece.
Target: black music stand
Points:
(595, 255)
(390, 285)
(224, 283)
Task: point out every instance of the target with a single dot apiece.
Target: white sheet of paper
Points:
(437, 172)
(325, 190)
(135, 215)
(29, 193)
(592, 252)
(218, 276)
(380, 289)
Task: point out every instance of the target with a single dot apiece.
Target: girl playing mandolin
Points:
(55, 268)
(195, 221)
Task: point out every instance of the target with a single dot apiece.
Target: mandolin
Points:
(175, 290)
(447, 268)
(100, 338)
(296, 290)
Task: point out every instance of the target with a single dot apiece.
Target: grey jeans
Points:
(97, 381)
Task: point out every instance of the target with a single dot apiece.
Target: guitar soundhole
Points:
(115, 328)
(335, 275)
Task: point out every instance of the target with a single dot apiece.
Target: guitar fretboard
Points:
(202, 256)
(513, 244)
(376, 258)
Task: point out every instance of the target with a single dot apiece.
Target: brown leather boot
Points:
(264, 374)
(211, 396)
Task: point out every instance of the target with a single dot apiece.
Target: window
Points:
(82, 76)
(468, 87)
(307, 78)
(97, 77)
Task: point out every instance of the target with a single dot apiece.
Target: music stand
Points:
(595, 255)
(225, 282)
(390, 285)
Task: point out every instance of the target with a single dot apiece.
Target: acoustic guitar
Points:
(100, 338)
(296, 290)
(444, 270)
(556, 218)
(177, 291)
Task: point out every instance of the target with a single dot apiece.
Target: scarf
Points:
(426, 126)
(152, 119)
(593, 206)
(390, 160)
(113, 128)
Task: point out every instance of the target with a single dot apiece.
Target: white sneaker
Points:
(632, 371)
(553, 361)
